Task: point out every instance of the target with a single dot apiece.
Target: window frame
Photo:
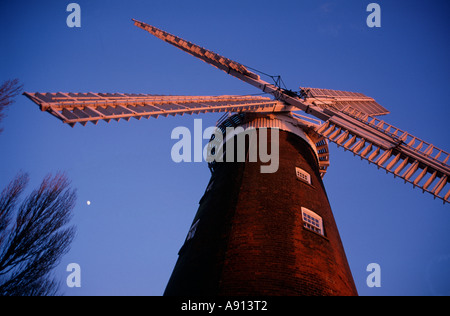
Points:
(192, 230)
(303, 176)
(312, 221)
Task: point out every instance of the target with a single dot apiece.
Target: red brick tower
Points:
(265, 233)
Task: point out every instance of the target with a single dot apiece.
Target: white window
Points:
(192, 230)
(312, 221)
(303, 175)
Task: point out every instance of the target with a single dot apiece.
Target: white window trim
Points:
(302, 175)
(312, 221)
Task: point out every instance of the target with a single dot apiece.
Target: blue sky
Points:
(143, 203)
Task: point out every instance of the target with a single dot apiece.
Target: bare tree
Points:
(34, 235)
(8, 90)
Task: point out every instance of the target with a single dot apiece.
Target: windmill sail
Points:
(81, 108)
(391, 149)
(342, 100)
(202, 53)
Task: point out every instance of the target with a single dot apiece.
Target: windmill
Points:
(268, 233)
